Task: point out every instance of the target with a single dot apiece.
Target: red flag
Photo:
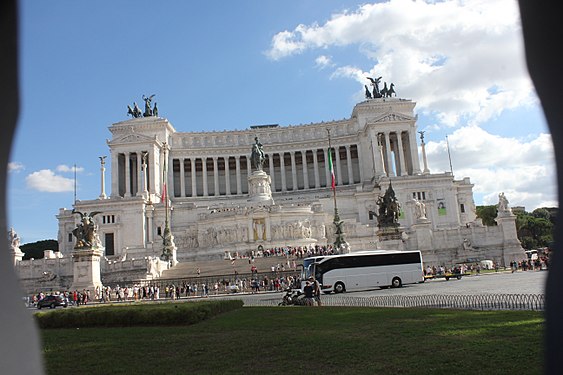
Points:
(331, 169)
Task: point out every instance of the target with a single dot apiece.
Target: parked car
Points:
(52, 302)
(233, 289)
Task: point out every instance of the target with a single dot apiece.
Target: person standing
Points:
(317, 291)
(308, 290)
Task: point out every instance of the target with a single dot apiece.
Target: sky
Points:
(228, 65)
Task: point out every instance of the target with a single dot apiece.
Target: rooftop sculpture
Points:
(135, 112)
(386, 92)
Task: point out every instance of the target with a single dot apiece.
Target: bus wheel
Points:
(396, 282)
(339, 288)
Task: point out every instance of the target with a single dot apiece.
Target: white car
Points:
(233, 289)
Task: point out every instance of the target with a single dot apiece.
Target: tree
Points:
(487, 214)
(36, 249)
(535, 229)
(541, 213)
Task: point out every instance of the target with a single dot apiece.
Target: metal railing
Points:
(533, 302)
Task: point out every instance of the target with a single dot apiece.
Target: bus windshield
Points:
(309, 267)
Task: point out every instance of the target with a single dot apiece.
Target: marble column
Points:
(215, 176)
(282, 171)
(401, 154)
(349, 162)
(414, 151)
(204, 174)
(305, 171)
(316, 169)
(293, 171)
(152, 171)
(194, 180)
(127, 175)
(390, 168)
(138, 158)
(103, 177)
(227, 176)
(239, 182)
(182, 178)
(115, 174)
(338, 171)
(424, 160)
(272, 170)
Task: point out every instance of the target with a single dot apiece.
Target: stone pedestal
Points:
(511, 248)
(87, 270)
(17, 255)
(390, 238)
(423, 233)
(259, 188)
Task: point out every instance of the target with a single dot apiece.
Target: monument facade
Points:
(271, 186)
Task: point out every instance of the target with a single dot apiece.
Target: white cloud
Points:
(46, 180)
(65, 168)
(523, 169)
(323, 61)
(15, 167)
(460, 60)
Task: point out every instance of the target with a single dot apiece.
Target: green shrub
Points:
(150, 314)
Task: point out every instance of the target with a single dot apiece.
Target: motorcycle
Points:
(293, 297)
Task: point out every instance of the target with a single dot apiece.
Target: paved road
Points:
(530, 282)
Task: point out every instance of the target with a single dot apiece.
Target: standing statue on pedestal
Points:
(503, 208)
(257, 157)
(86, 231)
(419, 210)
(13, 239)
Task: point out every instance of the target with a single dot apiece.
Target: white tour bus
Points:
(363, 270)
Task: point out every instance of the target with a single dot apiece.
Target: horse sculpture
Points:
(391, 91)
(368, 93)
(135, 112)
(384, 90)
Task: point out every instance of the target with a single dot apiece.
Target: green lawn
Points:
(309, 340)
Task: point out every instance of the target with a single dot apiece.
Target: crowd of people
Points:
(298, 252)
(535, 264)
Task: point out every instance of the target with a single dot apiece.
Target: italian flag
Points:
(164, 191)
(331, 169)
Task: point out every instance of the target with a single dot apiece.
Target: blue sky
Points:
(229, 65)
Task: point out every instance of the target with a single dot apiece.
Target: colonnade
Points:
(393, 153)
(127, 174)
(288, 170)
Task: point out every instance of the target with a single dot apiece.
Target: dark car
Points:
(52, 302)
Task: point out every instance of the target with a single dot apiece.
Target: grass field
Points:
(309, 340)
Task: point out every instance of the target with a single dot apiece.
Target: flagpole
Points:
(339, 243)
(169, 248)
(74, 184)
(449, 155)
(333, 187)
